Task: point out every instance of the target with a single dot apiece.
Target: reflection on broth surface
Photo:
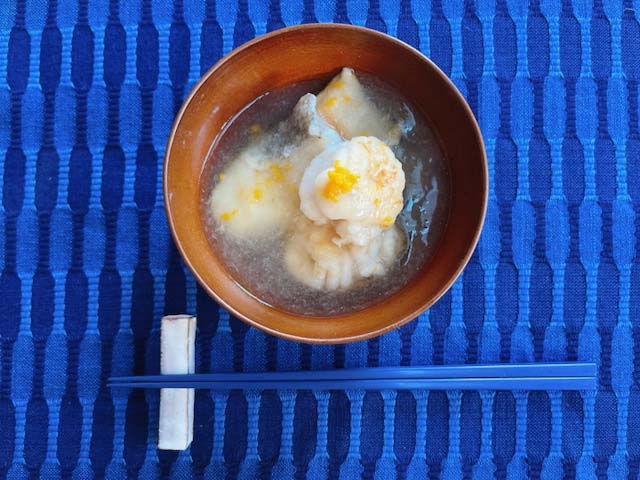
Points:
(326, 197)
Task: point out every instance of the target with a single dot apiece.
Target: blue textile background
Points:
(88, 91)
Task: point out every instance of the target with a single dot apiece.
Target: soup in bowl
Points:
(325, 183)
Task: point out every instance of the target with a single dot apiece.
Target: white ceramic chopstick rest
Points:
(177, 356)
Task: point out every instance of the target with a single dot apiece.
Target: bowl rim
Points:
(399, 321)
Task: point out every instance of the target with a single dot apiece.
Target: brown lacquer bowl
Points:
(303, 53)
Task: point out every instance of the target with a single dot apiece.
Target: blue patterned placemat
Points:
(88, 91)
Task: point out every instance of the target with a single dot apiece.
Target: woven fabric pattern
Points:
(88, 92)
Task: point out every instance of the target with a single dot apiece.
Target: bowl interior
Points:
(303, 53)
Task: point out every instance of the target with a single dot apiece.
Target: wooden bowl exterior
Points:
(302, 53)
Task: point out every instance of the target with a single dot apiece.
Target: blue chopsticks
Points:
(531, 376)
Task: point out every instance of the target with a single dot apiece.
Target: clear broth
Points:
(258, 266)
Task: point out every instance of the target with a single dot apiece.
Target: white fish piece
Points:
(379, 254)
(357, 185)
(313, 257)
(177, 356)
(350, 196)
(345, 105)
(248, 202)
